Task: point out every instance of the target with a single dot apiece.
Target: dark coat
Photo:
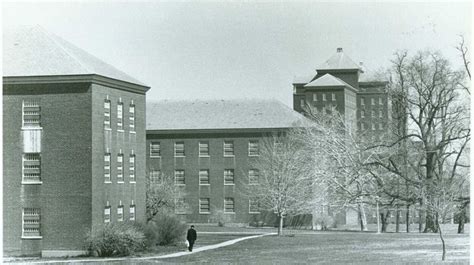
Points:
(192, 235)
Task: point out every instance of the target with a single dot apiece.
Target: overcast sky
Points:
(243, 50)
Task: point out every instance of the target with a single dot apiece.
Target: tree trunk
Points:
(384, 219)
(442, 241)
(397, 221)
(280, 224)
(462, 219)
(420, 221)
(362, 217)
(408, 218)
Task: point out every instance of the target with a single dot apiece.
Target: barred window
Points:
(362, 114)
(324, 96)
(380, 114)
(362, 101)
(228, 177)
(107, 114)
(120, 213)
(204, 148)
(107, 214)
(253, 148)
(229, 205)
(253, 176)
(155, 150)
(31, 114)
(31, 167)
(228, 148)
(131, 117)
(179, 178)
(253, 206)
(180, 206)
(120, 115)
(132, 212)
(179, 149)
(107, 167)
(120, 167)
(333, 96)
(155, 177)
(132, 167)
(315, 97)
(204, 205)
(373, 113)
(204, 177)
(31, 222)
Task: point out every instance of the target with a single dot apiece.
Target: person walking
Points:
(191, 237)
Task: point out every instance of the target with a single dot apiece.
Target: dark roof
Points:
(220, 114)
(31, 51)
(339, 61)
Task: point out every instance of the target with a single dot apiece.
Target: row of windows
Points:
(204, 178)
(107, 115)
(323, 97)
(372, 125)
(229, 206)
(120, 214)
(204, 150)
(372, 101)
(373, 114)
(333, 98)
(120, 165)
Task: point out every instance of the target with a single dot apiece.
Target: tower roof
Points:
(31, 51)
(339, 61)
(329, 80)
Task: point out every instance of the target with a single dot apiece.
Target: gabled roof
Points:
(329, 80)
(339, 61)
(220, 114)
(303, 79)
(31, 51)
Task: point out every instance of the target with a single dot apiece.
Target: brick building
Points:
(208, 147)
(73, 144)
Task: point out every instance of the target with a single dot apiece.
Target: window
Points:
(132, 167)
(204, 149)
(278, 147)
(228, 148)
(362, 126)
(155, 177)
(315, 97)
(31, 114)
(180, 206)
(324, 96)
(372, 101)
(373, 113)
(107, 114)
(253, 148)
(374, 214)
(131, 117)
(120, 213)
(204, 177)
(132, 212)
(229, 205)
(179, 149)
(107, 214)
(362, 101)
(120, 167)
(107, 167)
(228, 177)
(253, 176)
(31, 222)
(362, 114)
(204, 205)
(380, 114)
(155, 150)
(373, 126)
(31, 168)
(253, 206)
(302, 103)
(120, 116)
(380, 126)
(380, 101)
(179, 177)
(333, 96)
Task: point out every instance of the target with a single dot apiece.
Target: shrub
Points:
(220, 218)
(117, 239)
(325, 221)
(169, 229)
(150, 231)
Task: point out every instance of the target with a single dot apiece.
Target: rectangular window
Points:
(179, 177)
(380, 114)
(155, 177)
(333, 97)
(372, 101)
(31, 114)
(31, 222)
(253, 148)
(380, 126)
(228, 148)
(107, 214)
(253, 176)
(204, 149)
(180, 206)
(179, 149)
(120, 213)
(132, 167)
(131, 117)
(253, 206)
(362, 126)
(120, 116)
(204, 177)
(315, 97)
(228, 177)
(362, 114)
(324, 96)
(107, 114)
(362, 101)
(380, 101)
(120, 167)
(302, 103)
(132, 212)
(204, 205)
(229, 205)
(373, 113)
(32, 168)
(107, 167)
(373, 126)
(155, 150)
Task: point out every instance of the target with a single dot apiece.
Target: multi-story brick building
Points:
(209, 148)
(73, 144)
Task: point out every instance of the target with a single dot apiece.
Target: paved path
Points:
(173, 255)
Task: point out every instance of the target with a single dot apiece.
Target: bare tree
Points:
(462, 48)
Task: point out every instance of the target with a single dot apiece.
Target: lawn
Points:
(337, 248)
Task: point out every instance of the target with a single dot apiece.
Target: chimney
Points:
(339, 49)
(361, 64)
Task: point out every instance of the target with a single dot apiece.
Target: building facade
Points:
(73, 145)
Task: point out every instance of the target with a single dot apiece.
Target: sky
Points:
(224, 50)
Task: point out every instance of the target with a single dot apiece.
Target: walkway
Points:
(173, 255)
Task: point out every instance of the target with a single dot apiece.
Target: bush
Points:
(325, 221)
(150, 231)
(169, 229)
(117, 239)
(220, 218)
